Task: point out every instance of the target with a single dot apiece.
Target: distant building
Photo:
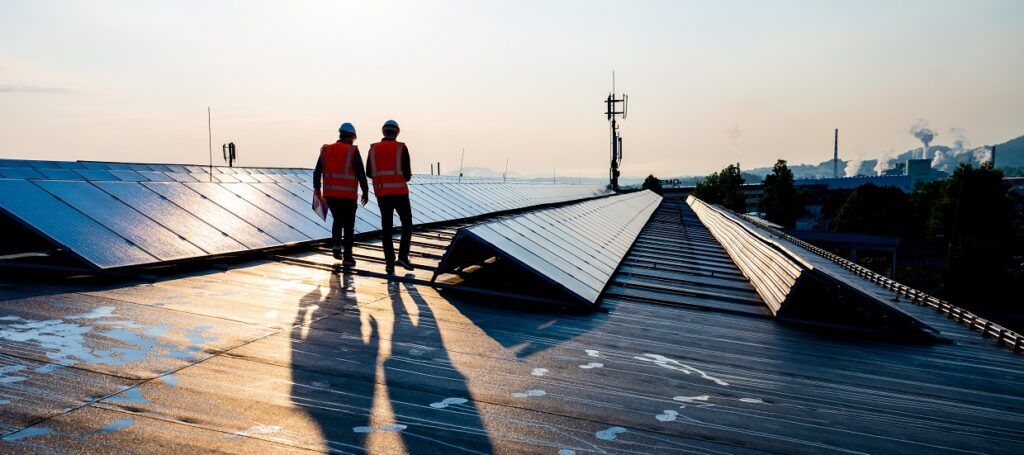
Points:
(848, 183)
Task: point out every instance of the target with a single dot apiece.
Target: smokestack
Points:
(431, 168)
(835, 157)
(993, 160)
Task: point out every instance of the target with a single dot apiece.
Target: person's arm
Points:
(357, 167)
(318, 171)
(406, 167)
(369, 164)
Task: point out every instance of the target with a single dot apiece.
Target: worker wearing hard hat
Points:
(388, 166)
(340, 169)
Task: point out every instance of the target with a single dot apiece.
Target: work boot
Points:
(349, 262)
(405, 263)
(337, 252)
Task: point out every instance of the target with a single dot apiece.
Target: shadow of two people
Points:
(376, 399)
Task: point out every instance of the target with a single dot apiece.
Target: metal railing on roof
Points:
(1002, 335)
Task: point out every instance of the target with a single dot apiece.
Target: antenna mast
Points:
(612, 112)
(209, 137)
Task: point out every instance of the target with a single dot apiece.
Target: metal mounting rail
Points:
(1002, 335)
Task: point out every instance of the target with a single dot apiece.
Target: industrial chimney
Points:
(835, 157)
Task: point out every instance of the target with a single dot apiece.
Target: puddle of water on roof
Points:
(610, 434)
(65, 341)
(529, 393)
(26, 433)
(673, 364)
(667, 415)
(113, 426)
(448, 402)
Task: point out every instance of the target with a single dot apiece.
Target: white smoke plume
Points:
(885, 161)
(924, 134)
(853, 167)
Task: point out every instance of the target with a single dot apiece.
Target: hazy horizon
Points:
(708, 83)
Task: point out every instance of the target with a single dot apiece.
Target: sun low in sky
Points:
(709, 82)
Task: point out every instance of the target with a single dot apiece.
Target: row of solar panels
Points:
(111, 224)
(575, 247)
(138, 172)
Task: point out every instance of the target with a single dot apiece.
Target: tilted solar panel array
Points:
(126, 214)
(575, 247)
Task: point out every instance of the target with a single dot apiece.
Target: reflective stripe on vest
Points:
(339, 179)
(386, 168)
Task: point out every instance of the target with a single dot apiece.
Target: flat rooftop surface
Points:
(268, 356)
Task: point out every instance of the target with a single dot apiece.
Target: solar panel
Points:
(217, 216)
(225, 178)
(69, 228)
(96, 174)
(165, 212)
(248, 212)
(160, 214)
(20, 173)
(5, 162)
(154, 176)
(367, 217)
(281, 212)
(122, 219)
(576, 248)
(71, 165)
(60, 174)
(94, 165)
(128, 176)
(182, 176)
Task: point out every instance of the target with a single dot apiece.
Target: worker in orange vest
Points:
(340, 169)
(388, 166)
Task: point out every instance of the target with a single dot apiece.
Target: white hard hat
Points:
(391, 123)
(347, 128)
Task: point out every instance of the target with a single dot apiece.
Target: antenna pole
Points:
(209, 136)
(462, 164)
(612, 112)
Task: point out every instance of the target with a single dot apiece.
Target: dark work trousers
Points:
(400, 204)
(344, 212)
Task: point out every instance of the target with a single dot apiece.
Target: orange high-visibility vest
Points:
(338, 176)
(386, 167)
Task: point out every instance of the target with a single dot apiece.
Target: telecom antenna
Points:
(612, 112)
